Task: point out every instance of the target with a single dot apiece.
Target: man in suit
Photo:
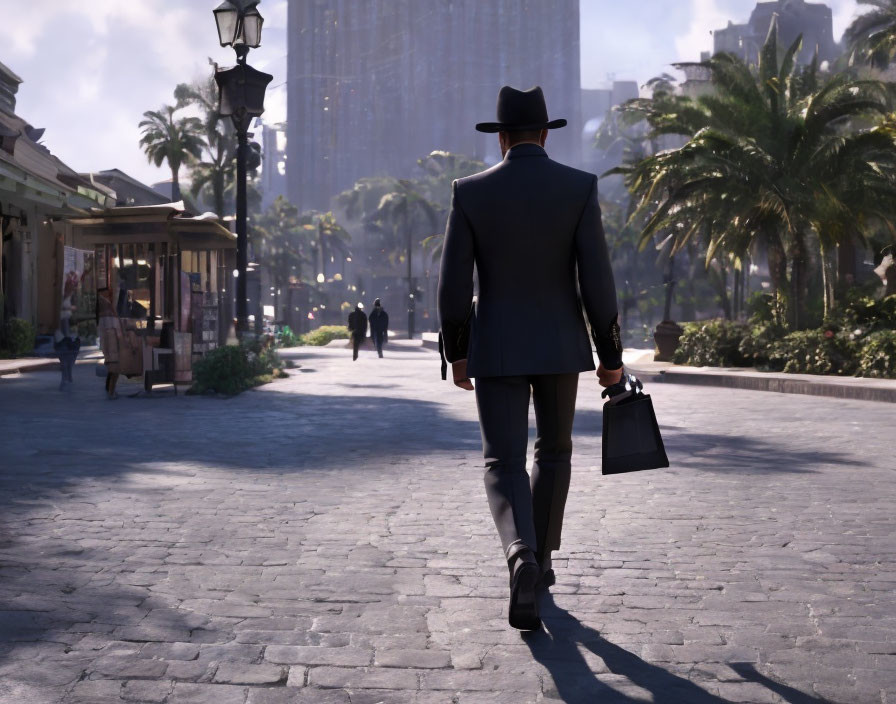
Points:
(532, 229)
(357, 325)
(379, 326)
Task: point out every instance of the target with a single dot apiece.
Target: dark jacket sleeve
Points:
(596, 283)
(456, 282)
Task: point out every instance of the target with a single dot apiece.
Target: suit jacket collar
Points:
(523, 150)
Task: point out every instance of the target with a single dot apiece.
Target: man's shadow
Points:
(557, 648)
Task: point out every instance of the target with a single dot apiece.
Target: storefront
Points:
(169, 277)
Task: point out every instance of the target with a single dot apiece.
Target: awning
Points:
(152, 223)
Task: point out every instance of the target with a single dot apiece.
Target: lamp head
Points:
(239, 23)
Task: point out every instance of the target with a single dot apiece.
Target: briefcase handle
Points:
(628, 385)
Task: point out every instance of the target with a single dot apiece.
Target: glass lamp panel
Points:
(252, 29)
(227, 19)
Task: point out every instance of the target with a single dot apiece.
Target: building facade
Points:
(37, 191)
(373, 86)
(813, 20)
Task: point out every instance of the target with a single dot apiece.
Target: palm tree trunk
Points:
(798, 282)
(846, 266)
(777, 270)
(218, 193)
(175, 185)
(827, 277)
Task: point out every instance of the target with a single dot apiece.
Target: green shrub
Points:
(712, 343)
(818, 351)
(224, 370)
(866, 311)
(877, 356)
(232, 369)
(757, 340)
(325, 334)
(18, 337)
(288, 338)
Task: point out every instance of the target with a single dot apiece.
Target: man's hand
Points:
(459, 368)
(607, 378)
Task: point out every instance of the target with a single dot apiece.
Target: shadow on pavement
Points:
(557, 648)
(790, 695)
(725, 453)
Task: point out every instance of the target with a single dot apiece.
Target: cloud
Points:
(706, 17)
(110, 61)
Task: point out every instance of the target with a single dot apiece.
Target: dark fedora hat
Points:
(521, 110)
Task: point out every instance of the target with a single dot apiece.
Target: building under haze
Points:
(375, 85)
(813, 20)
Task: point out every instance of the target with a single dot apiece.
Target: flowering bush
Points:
(816, 351)
(878, 355)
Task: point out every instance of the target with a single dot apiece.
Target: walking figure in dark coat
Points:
(532, 228)
(379, 326)
(357, 325)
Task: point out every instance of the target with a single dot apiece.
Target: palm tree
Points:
(779, 163)
(871, 37)
(281, 244)
(332, 238)
(216, 166)
(173, 141)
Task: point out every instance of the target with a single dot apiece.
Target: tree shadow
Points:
(557, 648)
(721, 454)
(52, 440)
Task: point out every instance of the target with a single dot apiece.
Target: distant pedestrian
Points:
(379, 326)
(108, 328)
(357, 325)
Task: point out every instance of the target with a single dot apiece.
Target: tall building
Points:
(813, 20)
(375, 85)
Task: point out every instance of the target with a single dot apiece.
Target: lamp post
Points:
(241, 97)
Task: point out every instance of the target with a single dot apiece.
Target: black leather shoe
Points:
(547, 578)
(523, 611)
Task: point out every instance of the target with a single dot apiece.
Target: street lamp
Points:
(241, 97)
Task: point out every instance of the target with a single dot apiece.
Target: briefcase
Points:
(631, 439)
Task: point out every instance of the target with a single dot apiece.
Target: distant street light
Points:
(241, 97)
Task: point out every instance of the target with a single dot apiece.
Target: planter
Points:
(666, 337)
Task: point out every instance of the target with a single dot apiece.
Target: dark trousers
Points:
(528, 511)
(357, 340)
(378, 341)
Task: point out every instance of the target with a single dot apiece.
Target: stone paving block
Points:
(187, 693)
(239, 673)
(311, 655)
(294, 695)
(93, 692)
(170, 651)
(231, 652)
(363, 678)
(475, 680)
(412, 658)
(127, 666)
(146, 690)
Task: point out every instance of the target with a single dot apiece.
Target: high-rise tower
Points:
(374, 85)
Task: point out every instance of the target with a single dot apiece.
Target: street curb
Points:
(42, 365)
(850, 388)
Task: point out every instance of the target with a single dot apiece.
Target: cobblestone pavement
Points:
(326, 540)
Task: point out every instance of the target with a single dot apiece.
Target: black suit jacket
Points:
(532, 228)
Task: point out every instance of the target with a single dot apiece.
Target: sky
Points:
(91, 69)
